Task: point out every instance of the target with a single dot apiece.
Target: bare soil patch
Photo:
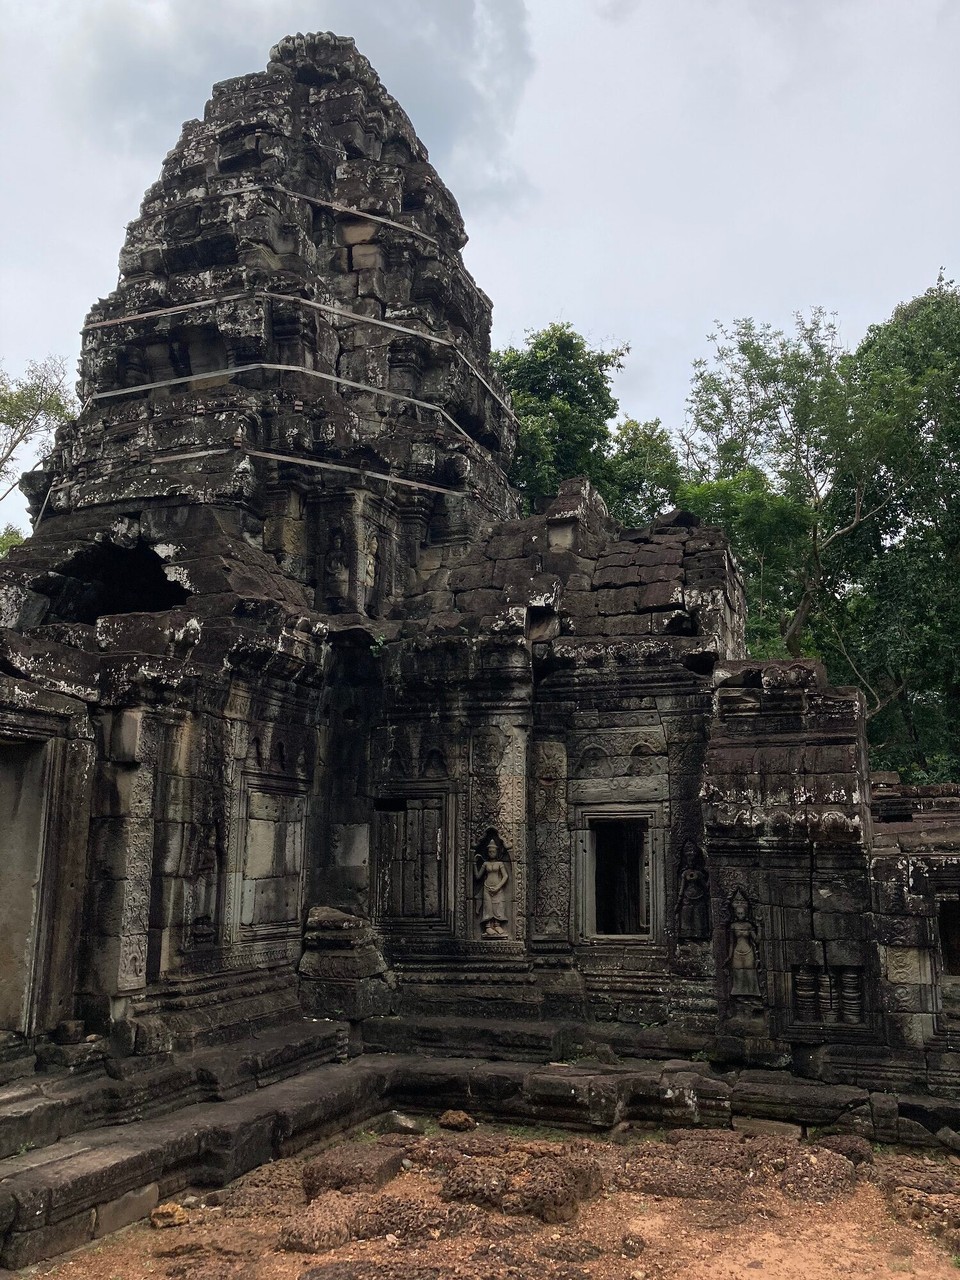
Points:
(701, 1205)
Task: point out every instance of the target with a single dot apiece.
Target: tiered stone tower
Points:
(287, 407)
(298, 716)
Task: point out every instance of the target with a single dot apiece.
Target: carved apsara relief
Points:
(492, 873)
(693, 896)
(336, 575)
(743, 959)
(497, 802)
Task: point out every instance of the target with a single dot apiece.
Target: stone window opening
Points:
(948, 920)
(828, 994)
(617, 881)
(197, 348)
(184, 352)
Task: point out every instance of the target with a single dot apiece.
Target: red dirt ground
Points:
(697, 1206)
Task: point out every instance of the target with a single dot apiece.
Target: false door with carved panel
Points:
(412, 879)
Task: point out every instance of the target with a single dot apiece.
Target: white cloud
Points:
(708, 159)
(639, 167)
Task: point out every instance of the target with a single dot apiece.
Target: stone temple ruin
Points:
(314, 751)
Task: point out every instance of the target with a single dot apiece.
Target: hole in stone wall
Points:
(201, 345)
(184, 352)
(682, 624)
(238, 153)
(413, 201)
(216, 250)
(700, 664)
(542, 624)
(396, 151)
(476, 427)
(106, 579)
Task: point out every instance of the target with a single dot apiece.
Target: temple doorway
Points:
(410, 859)
(21, 845)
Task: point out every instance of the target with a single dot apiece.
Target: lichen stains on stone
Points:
(281, 651)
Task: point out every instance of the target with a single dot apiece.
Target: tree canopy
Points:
(562, 397)
(10, 536)
(893, 626)
(835, 472)
(641, 475)
(31, 408)
(562, 394)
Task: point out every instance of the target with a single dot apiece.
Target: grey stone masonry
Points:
(313, 746)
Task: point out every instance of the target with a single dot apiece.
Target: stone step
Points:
(86, 1186)
(95, 1182)
(16, 1065)
(529, 1039)
(204, 1013)
(48, 1108)
(274, 1055)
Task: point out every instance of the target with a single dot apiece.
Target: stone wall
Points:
(298, 714)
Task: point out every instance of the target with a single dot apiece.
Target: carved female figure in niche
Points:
(491, 871)
(693, 897)
(371, 565)
(742, 955)
(204, 891)
(336, 574)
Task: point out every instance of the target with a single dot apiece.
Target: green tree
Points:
(826, 433)
(768, 532)
(31, 408)
(835, 473)
(894, 626)
(837, 477)
(641, 475)
(561, 393)
(10, 536)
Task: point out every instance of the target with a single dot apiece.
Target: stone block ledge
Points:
(82, 1188)
(64, 1195)
(42, 1109)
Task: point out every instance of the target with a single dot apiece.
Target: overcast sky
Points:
(640, 168)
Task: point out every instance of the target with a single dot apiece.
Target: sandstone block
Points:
(170, 1214)
(24, 1248)
(125, 1209)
